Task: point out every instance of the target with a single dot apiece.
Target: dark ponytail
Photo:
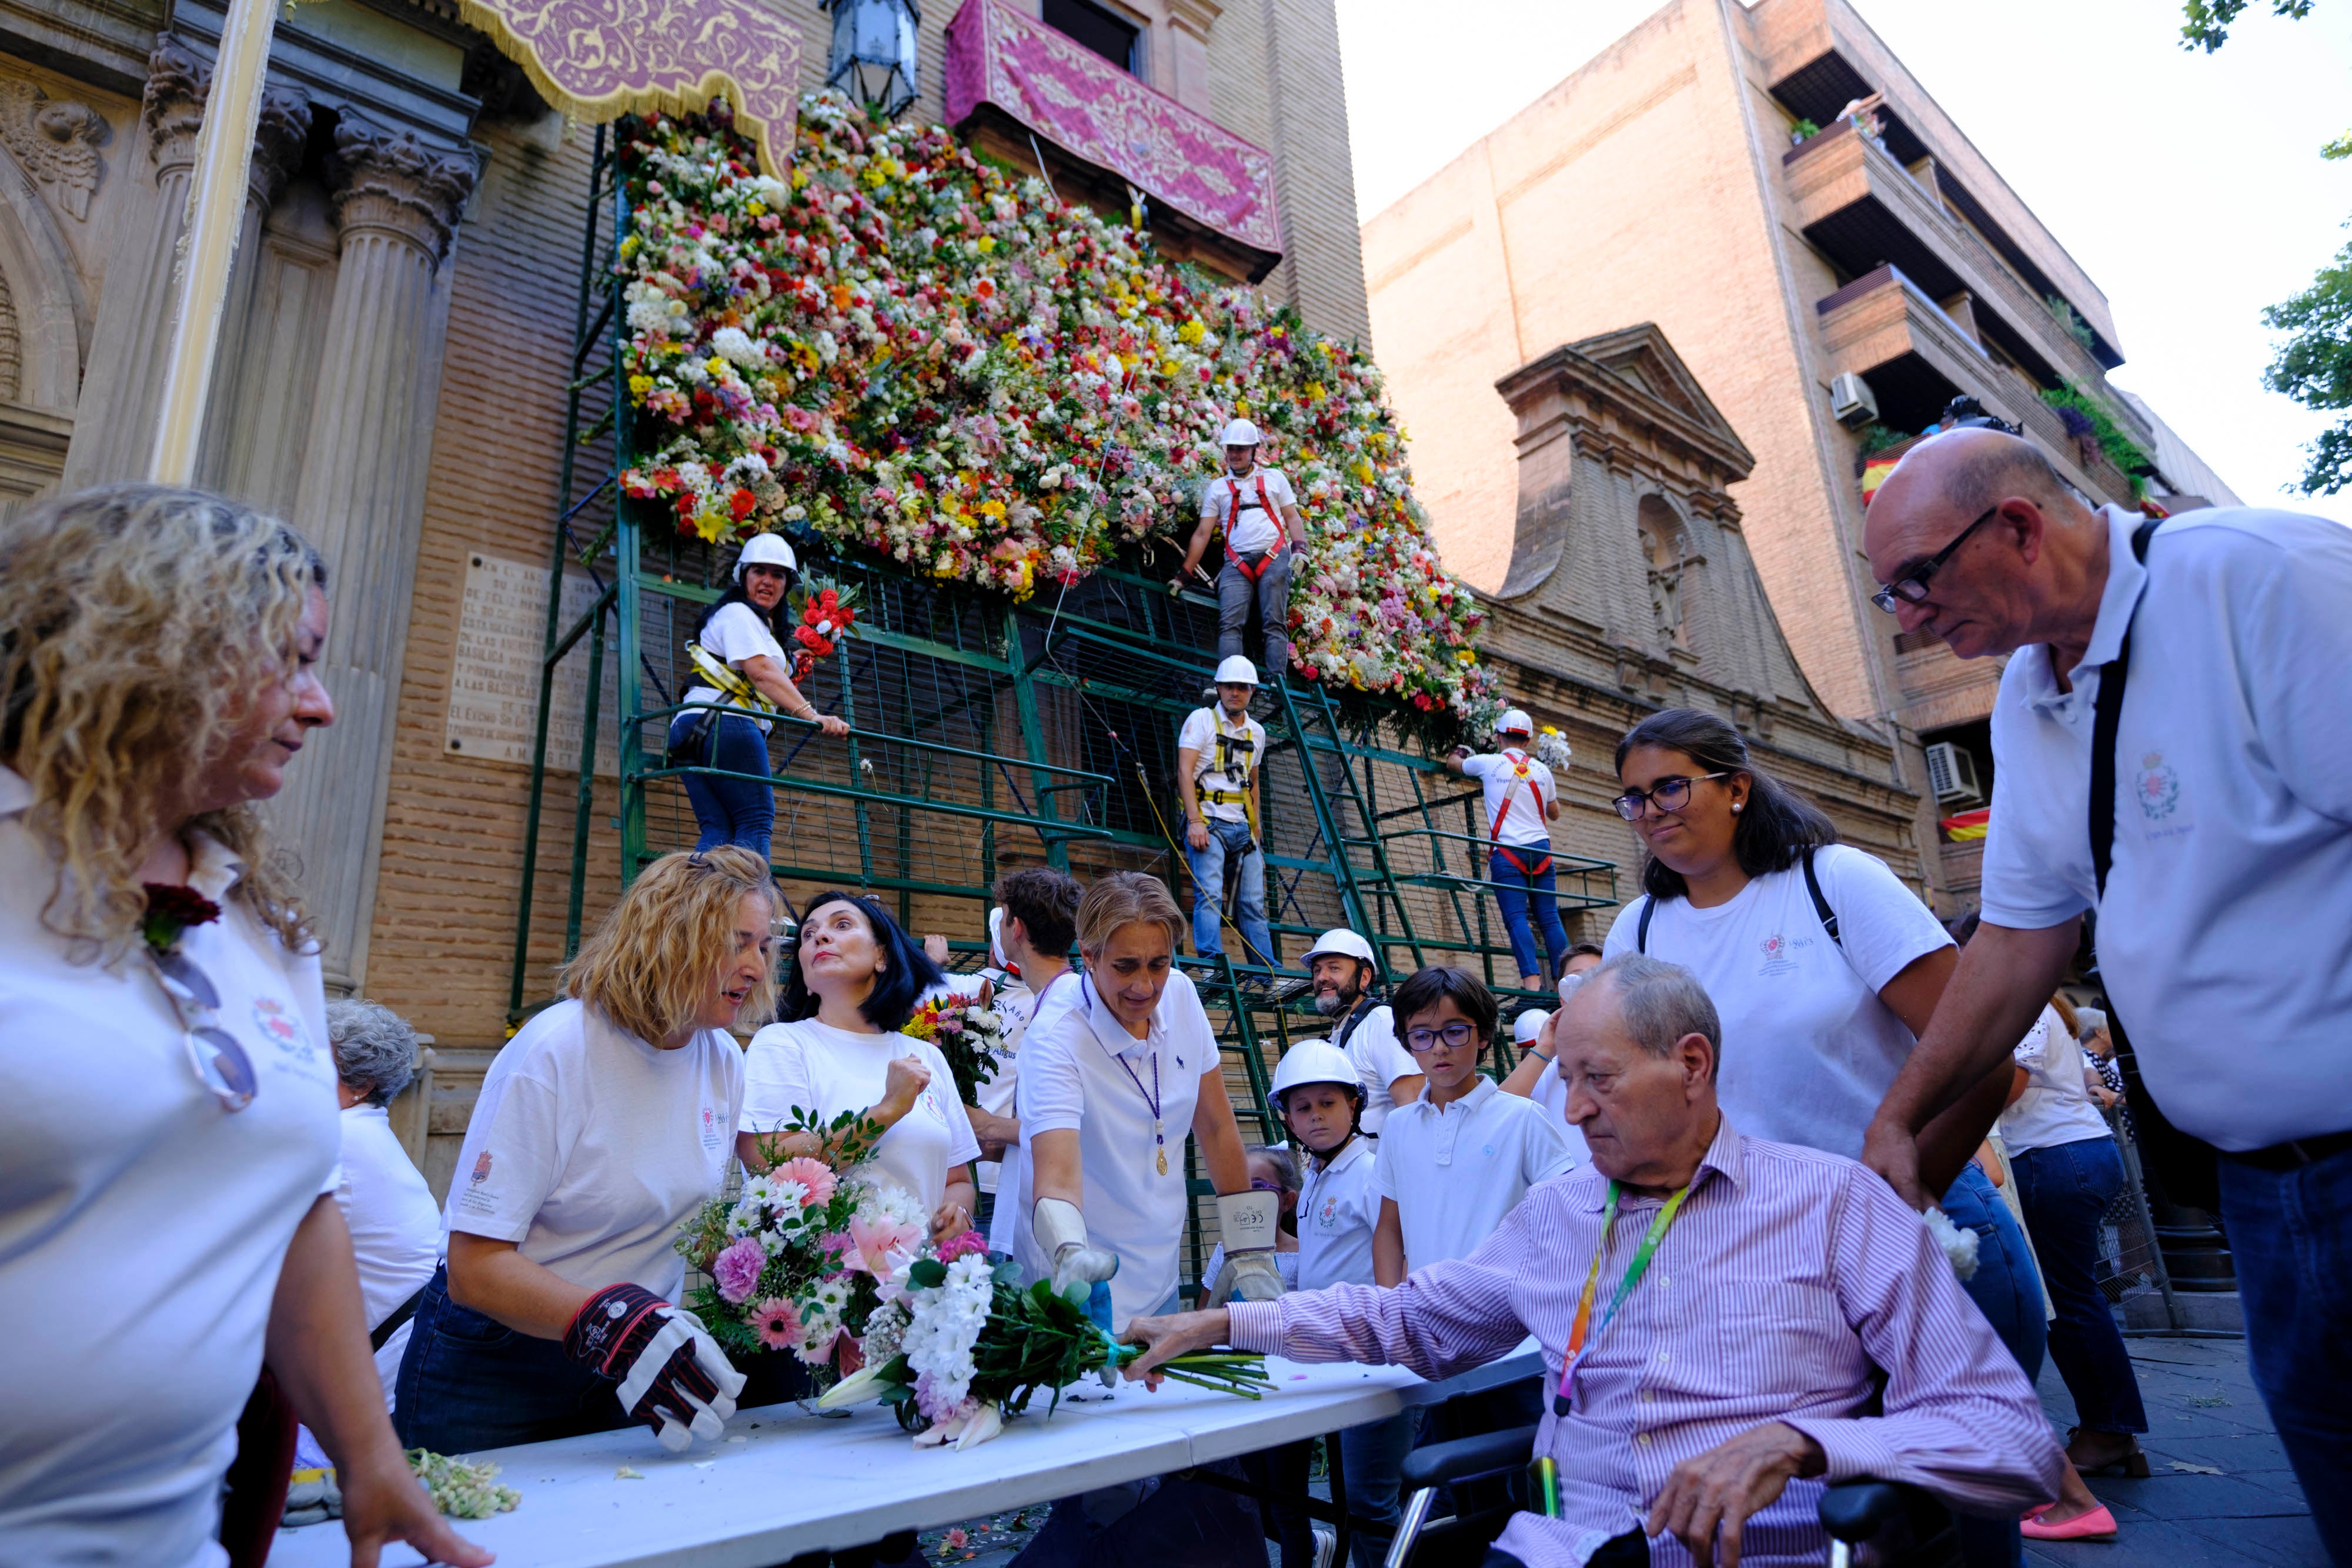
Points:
(1775, 831)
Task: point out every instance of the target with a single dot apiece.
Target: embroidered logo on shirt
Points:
(281, 1027)
(2158, 788)
(1778, 949)
(710, 1138)
(1327, 1216)
(473, 1200)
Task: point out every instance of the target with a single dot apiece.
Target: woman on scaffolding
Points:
(737, 651)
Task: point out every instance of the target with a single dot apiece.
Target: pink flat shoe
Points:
(2096, 1525)
(2037, 1511)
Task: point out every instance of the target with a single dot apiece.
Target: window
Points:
(1112, 36)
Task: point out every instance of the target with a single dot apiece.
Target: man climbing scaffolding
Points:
(1253, 506)
(1217, 754)
(1521, 804)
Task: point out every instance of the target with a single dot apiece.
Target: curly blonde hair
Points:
(652, 958)
(134, 619)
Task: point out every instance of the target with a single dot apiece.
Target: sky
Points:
(2189, 186)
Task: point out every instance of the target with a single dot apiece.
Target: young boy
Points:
(1456, 1160)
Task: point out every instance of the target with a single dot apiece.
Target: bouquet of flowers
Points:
(1552, 749)
(970, 1036)
(965, 1347)
(799, 1260)
(826, 611)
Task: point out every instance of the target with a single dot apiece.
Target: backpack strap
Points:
(2106, 719)
(1641, 927)
(1821, 909)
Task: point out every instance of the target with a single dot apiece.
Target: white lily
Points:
(855, 1389)
(980, 1427)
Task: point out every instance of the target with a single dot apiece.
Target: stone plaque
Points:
(494, 680)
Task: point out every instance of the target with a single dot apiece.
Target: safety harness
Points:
(1233, 750)
(1233, 516)
(726, 682)
(1521, 774)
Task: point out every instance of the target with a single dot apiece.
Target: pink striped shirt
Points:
(1792, 1286)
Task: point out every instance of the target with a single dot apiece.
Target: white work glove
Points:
(1061, 1232)
(1246, 1223)
(672, 1374)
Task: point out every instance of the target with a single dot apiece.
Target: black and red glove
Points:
(673, 1376)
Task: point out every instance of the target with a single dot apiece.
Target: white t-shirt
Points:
(1085, 1071)
(2056, 1105)
(142, 1226)
(1228, 753)
(1012, 1173)
(1454, 1172)
(1380, 1060)
(735, 634)
(1809, 1048)
(395, 1226)
(1253, 529)
(2228, 919)
(589, 1147)
(1339, 1209)
(826, 1070)
(1513, 781)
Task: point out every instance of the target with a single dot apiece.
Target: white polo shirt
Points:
(1085, 1071)
(142, 1226)
(1233, 505)
(2225, 939)
(1550, 1091)
(1227, 754)
(1012, 1174)
(1513, 781)
(1380, 1060)
(395, 1225)
(1339, 1209)
(1454, 1172)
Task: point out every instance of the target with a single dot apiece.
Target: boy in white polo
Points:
(1456, 1160)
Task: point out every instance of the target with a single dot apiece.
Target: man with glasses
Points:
(2172, 752)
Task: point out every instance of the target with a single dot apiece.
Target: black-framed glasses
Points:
(1911, 587)
(220, 1063)
(1456, 1033)
(1666, 795)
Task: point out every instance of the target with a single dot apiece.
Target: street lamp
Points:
(873, 57)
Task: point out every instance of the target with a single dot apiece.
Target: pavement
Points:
(2221, 1495)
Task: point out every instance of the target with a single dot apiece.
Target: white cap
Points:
(1235, 670)
(1571, 984)
(1313, 1061)
(995, 941)
(1528, 1025)
(766, 549)
(1515, 721)
(1341, 941)
(1241, 433)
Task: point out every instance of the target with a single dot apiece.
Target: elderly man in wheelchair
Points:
(1730, 1330)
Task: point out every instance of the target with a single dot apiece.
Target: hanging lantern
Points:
(873, 57)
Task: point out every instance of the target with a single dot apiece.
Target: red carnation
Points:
(171, 910)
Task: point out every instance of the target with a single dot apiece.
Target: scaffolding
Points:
(986, 735)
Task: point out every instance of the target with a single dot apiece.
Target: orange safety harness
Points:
(1233, 516)
(1521, 775)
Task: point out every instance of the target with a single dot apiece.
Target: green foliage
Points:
(2205, 24)
(2339, 148)
(2076, 327)
(2113, 439)
(1878, 437)
(1803, 130)
(2315, 368)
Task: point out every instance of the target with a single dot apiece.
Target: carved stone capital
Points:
(173, 108)
(278, 141)
(1194, 17)
(390, 182)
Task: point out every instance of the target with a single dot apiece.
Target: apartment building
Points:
(1834, 260)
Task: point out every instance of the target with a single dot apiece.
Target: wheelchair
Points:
(1905, 1526)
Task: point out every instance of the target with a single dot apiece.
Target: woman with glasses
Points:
(1823, 969)
(602, 1126)
(168, 1121)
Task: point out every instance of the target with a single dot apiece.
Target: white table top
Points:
(782, 1482)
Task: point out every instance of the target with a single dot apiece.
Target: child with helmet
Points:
(1521, 804)
(1256, 509)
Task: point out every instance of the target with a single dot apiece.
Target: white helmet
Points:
(1342, 942)
(1528, 1025)
(767, 549)
(1235, 670)
(996, 936)
(1241, 433)
(1515, 721)
(1313, 1061)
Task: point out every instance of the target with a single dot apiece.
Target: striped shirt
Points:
(1790, 1286)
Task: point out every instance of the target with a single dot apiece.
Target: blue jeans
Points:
(2065, 1189)
(1271, 594)
(469, 1382)
(1249, 895)
(738, 811)
(2291, 1237)
(1514, 891)
(2008, 1292)
(1371, 1463)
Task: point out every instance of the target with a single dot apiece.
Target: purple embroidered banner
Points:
(1094, 111)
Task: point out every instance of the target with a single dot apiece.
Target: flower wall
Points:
(903, 350)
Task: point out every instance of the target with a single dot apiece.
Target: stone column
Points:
(362, 503)
(279, 141)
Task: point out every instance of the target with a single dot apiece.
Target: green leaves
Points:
(2205, 24)
(2315, 368)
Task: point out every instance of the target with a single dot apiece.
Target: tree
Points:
(2315, 368)
(2205, 24)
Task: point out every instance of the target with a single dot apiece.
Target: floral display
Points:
(969, 1037)
(902, 349)
(1552, 749)
(972, 1347)
(826, 613)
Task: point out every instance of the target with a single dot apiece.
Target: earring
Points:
(1735, 808)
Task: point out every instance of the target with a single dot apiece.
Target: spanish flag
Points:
(1966, 826)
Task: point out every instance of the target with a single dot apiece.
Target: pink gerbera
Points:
(737, 1269)
(777, 1322)
(811, 1174)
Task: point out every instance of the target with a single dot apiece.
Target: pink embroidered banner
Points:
(1092, 110)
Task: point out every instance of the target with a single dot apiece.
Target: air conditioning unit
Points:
(1952, 773)
(1851, 401)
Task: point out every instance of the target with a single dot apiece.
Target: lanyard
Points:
(1560, 1405)
(1151, 1098)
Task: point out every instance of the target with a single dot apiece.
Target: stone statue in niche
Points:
(1662, 553)
(56, 140)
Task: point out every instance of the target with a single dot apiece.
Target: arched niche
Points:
(45, 296)
(1666, 548)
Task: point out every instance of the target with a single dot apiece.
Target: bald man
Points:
(2172, 749)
